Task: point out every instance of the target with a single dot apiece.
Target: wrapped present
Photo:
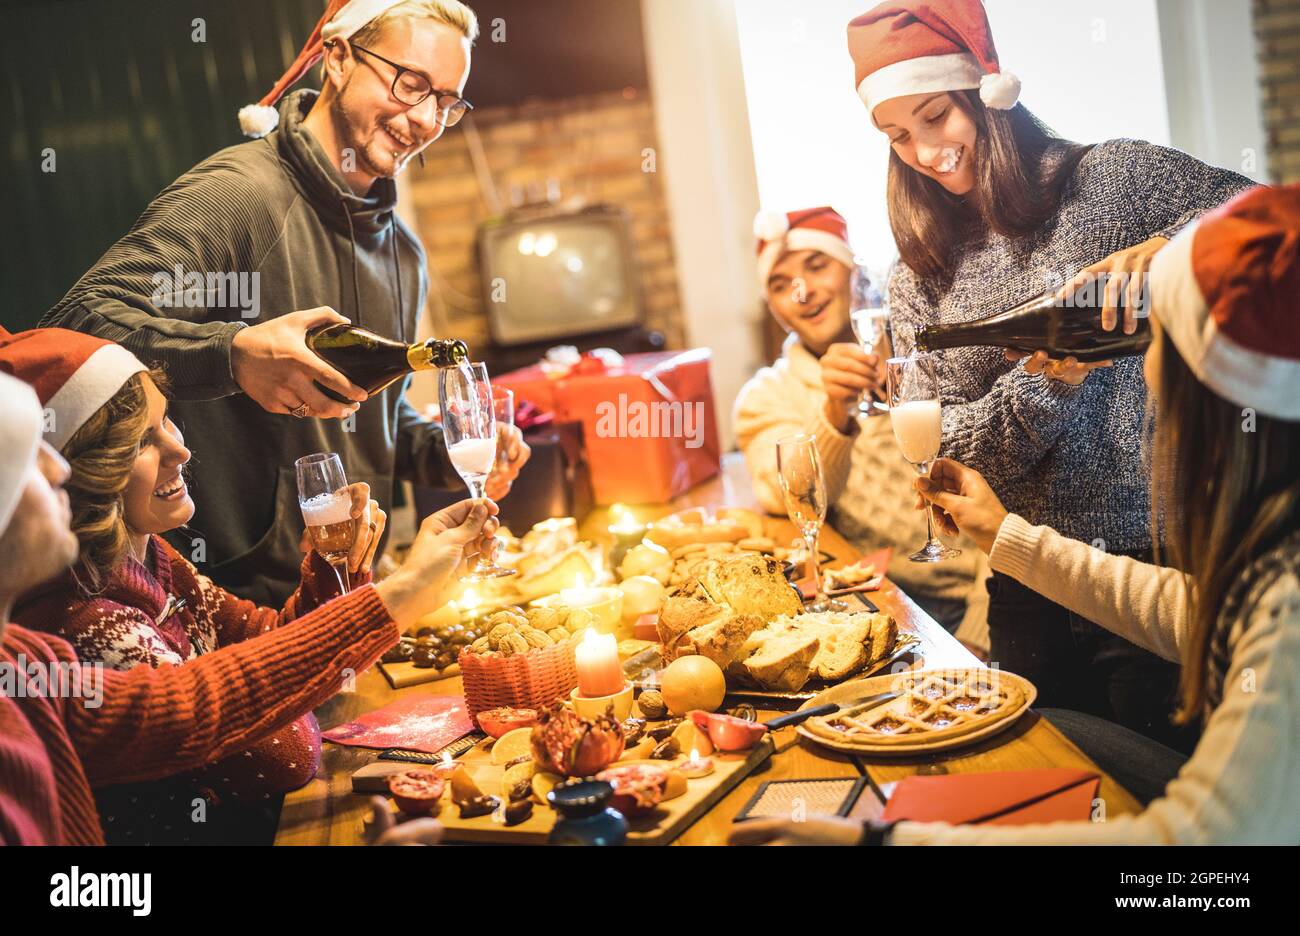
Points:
(649, 427)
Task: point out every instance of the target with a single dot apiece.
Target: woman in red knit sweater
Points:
(131, 599)
(66, 726)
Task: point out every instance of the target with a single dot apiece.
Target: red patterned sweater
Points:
(153, 723)
(119, 627)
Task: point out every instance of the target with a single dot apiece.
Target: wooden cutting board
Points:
(406, 673)
(658, 828)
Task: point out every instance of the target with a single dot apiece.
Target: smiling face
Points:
(933, 136)
(368, 120)
(808, 292)
(156, 498)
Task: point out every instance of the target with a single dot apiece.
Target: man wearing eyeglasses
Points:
(231, 264)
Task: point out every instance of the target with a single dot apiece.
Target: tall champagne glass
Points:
(470, 430)
(799, 469)
(327, 510)
(916, 416)
(869, 316)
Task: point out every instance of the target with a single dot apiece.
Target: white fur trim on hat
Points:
(353, 16)
(257, 120)
(1000, 91)
(802, 239)
(1264, 382)
(94, 384)
(20, 435)
(958, 71)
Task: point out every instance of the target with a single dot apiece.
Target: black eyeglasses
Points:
(412, 88)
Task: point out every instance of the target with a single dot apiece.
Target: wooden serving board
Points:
(658, 828)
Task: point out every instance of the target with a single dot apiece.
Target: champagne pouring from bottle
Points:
(469, 427)
(372, 361)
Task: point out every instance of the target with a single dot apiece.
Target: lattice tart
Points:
(935, 706)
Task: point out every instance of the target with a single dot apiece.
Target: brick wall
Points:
(1277, 28)
(592, 147)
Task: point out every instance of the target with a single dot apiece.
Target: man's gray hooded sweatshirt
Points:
(276, 211)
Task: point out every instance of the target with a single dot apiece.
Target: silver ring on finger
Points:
(301, 410)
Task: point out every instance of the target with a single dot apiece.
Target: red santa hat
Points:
(780, 233)
(1225, 290)
(914, 48)
(342, 19)
(73, 374)
(20, 436)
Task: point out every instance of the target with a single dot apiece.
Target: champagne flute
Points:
(869, 316)
(799, 470)
(916, 417)
(503, 408)
(326, 508)
(470, 431)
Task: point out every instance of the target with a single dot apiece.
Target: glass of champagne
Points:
(799, 469)
(327, 510)
(503, 408)
(869, 316)
(470, 430)
(916, 417)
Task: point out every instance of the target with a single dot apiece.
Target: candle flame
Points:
(446, 758)
(695, 755)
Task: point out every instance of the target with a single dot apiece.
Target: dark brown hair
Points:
(101, 454)
(1225, 485)
(1014, 193)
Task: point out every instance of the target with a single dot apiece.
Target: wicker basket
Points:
(527, 680)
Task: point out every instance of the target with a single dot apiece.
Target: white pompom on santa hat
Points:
(910, 47)
(1225, 292)
(342, 19)
(779, 233)
(73, 374)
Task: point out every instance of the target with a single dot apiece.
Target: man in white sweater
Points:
(805, 267)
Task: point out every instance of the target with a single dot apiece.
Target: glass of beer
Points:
(917, 420)
(327, 510)
(469, 427)
(799, 469)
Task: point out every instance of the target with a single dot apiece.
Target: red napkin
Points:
(419, 723)
(1016, 797)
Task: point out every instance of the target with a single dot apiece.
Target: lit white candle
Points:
(596, 659)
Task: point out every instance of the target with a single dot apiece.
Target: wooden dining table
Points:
(327, 812)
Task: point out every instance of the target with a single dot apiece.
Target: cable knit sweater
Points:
(119, 627)
(1239, 785)
(154, 723)
(868, 482)
(1066, 456)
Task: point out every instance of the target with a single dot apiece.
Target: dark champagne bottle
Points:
(372, 361)
(1063, 328)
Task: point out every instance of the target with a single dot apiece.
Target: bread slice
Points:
(752, 585)
(783, 660)
(884, 637)
(678, 616)
(722, 639)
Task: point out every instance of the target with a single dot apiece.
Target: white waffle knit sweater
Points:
(868, 482)
(1239, 786)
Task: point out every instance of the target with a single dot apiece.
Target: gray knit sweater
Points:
(1069, 457)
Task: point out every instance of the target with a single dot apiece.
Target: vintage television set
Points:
(561, 278)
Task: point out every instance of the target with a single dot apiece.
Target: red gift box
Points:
(648, 425)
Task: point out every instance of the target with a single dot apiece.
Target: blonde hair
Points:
(452, 13)
(101, 455)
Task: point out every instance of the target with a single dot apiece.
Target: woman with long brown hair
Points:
(989, 208)
(1224, 373)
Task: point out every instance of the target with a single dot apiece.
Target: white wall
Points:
(1090, 70)
(706, 162)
